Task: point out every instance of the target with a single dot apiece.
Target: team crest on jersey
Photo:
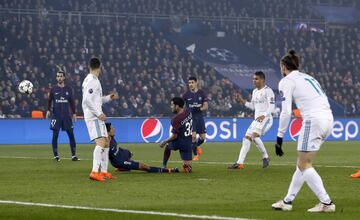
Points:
(200, 98)
(90, 91)
(67, 93)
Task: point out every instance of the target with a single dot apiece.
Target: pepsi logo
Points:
(295, 128)
(151, 130)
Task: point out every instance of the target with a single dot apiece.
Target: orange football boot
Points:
(107, 175)
(96, 176)
(356, 175)
(196, 158)
(199, 151)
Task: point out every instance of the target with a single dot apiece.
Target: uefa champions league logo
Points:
(222, 55)
(151, 130)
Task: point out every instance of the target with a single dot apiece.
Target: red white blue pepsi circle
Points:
(295, 128)
(151, 130)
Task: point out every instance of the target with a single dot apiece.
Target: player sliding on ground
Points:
(120, 158)
(181, 134)
(95, 120)
(263, 103)
(317, 124)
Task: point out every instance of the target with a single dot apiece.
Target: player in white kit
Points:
(316, 127)
(95, 120)
(263, 103)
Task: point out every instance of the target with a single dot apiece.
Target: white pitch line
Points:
(173, 214)
(200, 162)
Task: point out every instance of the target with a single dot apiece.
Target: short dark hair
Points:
(62, 72)
(108, 126)
(178, 101)
(192, 78)
(260, 74)
(94, 63)
(290, 60)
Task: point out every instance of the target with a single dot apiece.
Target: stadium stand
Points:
(145, 67)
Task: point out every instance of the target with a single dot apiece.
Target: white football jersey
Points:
(308, 96)
(92, 97)
(262, 101)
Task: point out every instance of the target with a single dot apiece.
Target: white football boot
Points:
(321, 207)
(281, 205)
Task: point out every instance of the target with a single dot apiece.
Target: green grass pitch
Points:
(28, 174)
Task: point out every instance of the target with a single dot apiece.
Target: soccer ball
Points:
(26, 87)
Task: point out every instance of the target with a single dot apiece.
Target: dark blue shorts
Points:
(184, 149)
(64, 123)
(199, 125)
(127, 165)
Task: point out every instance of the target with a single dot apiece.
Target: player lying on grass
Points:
(181, 134)
(120, 158)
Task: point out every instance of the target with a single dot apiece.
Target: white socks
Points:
(104, 160)
(97, 158)
(244, 150)
(313, 180)
(295, 185)
(315, 183)
(260, 145)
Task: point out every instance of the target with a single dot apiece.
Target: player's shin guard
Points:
(72, 141)
(297, 182)
(315, 183)
(193, 147)
(55, 142)
(199, 142)
(260, 145)
(96, 159)
(244, 150)
(104, 160)
(167, 153)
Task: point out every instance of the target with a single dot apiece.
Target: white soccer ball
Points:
(26, 87)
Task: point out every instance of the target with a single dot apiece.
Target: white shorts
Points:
(313, 133)
(260, 127)
(96, 129)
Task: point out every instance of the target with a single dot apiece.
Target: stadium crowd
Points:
(145, 68)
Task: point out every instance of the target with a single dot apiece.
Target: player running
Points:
(181, 134)
(95, 120)
(317, 124)
(120, 158)
(197, 102)
(263, 103)
(62, 106)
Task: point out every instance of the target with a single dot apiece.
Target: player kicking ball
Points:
(181, 135)
(262, 102)
(316, 127)
(120, 158)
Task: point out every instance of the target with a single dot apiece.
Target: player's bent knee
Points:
(248, 137)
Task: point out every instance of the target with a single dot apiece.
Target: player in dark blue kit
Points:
(197, 102)
(120, 158)
(61, 108)
(181, 134)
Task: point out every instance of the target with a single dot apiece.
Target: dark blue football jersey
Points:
(117, 154)
(61, 101)
(182, 126)
(194, 101)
